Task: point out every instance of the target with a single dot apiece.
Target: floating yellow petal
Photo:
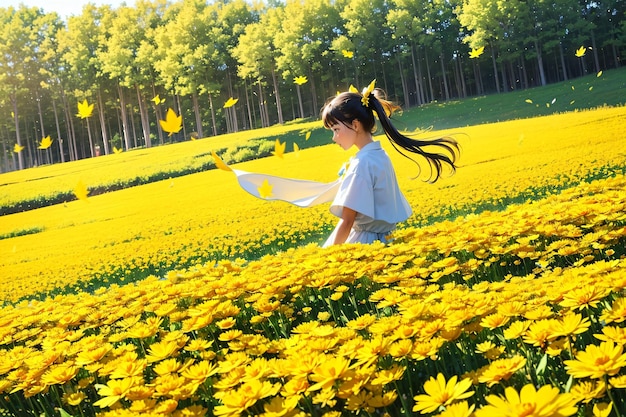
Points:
(279, 148)
(265, 190)
(476, 52)
(81, 191)
(172, 123)
(300, 80)
(230, 102)
(158, 100)
(219, 163)
(599, 74)
(529, 101)
(580, 52)
(347, 54)
(45, 143)
(84, 109)
(307, 136)
(296, 149)
(17, 148)
(116, 151)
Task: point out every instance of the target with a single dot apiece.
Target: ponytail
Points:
(349, 106)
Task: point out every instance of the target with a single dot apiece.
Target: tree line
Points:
(100, 81)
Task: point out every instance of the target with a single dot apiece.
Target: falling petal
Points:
(553, 101)
(81, 191)
(591, 88)
(85, 109)
(476, 52)
(347, 54)
(17, 148)
(548, 105)
(572, 102)
(230, 102)
(172, 123)
(307, 136)
(45, 143)
(599, 74)
(529, 101)
(580, 52)
(279, 148)
(300, 80)
(296, 149)
(116, 151)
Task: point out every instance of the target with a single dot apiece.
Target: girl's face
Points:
(343, 135)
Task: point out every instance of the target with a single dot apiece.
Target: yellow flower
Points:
(501, 369)
(571, 324)
(585, 391)
(73, 398)
(239, 400)
(580, 52)
(460, 409)
(17, 148)
(60, 374)
(546, 402)
(597, 361)
(113, 391)
(328, 372)
(161, 350)
(588, 296)
(602, 409)
(439, 392)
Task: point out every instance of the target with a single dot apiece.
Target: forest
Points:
(100, 82)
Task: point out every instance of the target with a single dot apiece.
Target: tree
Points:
(19, 60)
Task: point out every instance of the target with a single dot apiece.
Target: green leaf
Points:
(542, 364)
(64, 413)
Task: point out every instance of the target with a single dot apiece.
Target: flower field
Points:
(502, 296)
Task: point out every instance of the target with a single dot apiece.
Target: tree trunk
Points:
(196, 109)
(542, 74)
(496, 73)
(277, 98)
(430, 78)
(444, 76)
(56, 121)
(143, 114)
(180, 111)
(405, 89)
(300, 101)
(103, 127)
(124, 116)
(16, 121)
(563, 64)
(212, 114)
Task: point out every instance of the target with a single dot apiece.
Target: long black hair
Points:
(349, 106)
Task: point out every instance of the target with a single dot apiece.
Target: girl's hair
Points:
(349, 106)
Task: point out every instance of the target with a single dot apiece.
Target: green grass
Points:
(607, 90)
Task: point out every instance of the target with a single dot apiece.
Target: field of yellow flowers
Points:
(478, 307)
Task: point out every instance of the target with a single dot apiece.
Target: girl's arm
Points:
(345, 225)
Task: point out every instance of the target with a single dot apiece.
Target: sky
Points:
(64, 8)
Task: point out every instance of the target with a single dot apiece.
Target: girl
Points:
(369, 202)
(366, 198)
